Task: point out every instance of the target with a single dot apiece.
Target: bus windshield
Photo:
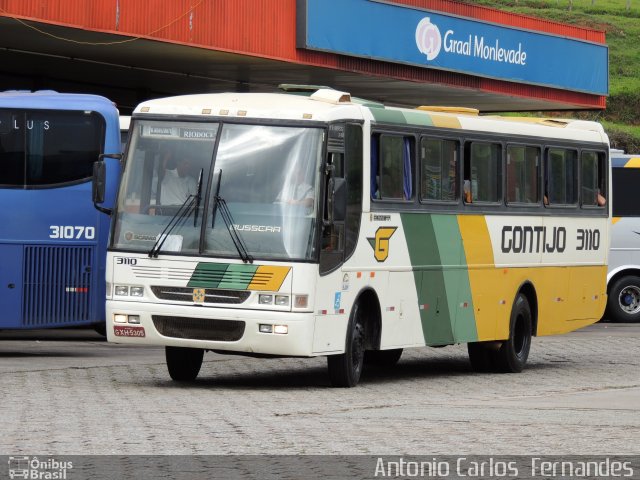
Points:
(47, 148)
(261, 182)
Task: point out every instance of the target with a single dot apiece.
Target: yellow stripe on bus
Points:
(444, 121)
(484, 278)
(633, 163)
(268, 278)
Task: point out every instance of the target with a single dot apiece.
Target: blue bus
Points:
(52, 239)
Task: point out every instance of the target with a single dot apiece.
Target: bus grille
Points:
(199, 328)
(211, 295)
(57, 285)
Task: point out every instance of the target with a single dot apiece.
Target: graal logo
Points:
(428, 38)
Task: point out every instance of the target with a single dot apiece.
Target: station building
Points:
(402, 52)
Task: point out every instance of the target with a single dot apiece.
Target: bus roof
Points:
(326, 105)
(49, 99)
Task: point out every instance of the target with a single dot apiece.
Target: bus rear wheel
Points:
(512, 355)
(624, 299)
(183, 363)
(345, 369)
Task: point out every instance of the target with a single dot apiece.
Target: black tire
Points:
(345, 369)
(382, 358)
(623, 304)
(183, 363)
(512, 355)
(481, 356)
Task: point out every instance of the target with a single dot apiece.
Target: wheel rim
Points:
(629, 299)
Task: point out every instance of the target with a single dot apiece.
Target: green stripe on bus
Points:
(222, 275)
(401, 117)
(238, 277)
(441, 278)
(207, 275)
(388, 116)
(464, 323)
(429, 278)
(418, 118)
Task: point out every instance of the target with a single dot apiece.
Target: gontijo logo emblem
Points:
(428, 38)
(380, 242)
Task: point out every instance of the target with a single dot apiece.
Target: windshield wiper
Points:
(191, 204)
(183, 212)
(225, 213)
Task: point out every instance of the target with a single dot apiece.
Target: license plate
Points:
(125, 331)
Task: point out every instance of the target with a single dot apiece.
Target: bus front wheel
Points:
(184, 363)
(345, 369)
(624, 299)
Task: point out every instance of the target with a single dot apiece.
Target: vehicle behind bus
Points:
(52, 239)
(623, 279)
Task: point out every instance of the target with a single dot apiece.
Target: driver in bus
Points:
(297, 191)
(178, 182)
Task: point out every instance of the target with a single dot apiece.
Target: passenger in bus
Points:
(467, 191)
(602, 201)
(178, 182)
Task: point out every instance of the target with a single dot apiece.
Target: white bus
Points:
(623, 279)
(316, 224)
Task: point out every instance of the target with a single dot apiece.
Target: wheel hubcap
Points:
(629, 300)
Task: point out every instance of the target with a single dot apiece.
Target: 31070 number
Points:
(71, 232)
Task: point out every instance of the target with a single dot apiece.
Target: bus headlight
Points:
(265, 299)
(122, 290)
(136, 291)
(126, 291)
(119, 318)
(282, 300)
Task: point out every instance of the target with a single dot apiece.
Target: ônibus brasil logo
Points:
(428, 38)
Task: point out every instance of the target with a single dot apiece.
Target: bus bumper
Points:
(186, 326)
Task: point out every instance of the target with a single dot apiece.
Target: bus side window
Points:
(438, 169)
(561, 174)
(483, 172)
(523, 163)
(592, 179)
(392, 161)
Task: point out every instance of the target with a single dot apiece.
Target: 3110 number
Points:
(72, 232)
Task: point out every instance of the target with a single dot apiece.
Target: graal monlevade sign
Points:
(402, 34)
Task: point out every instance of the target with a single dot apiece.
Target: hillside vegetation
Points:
(620, 19)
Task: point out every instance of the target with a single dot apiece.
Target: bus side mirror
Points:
(99, 186)
(337, 199)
